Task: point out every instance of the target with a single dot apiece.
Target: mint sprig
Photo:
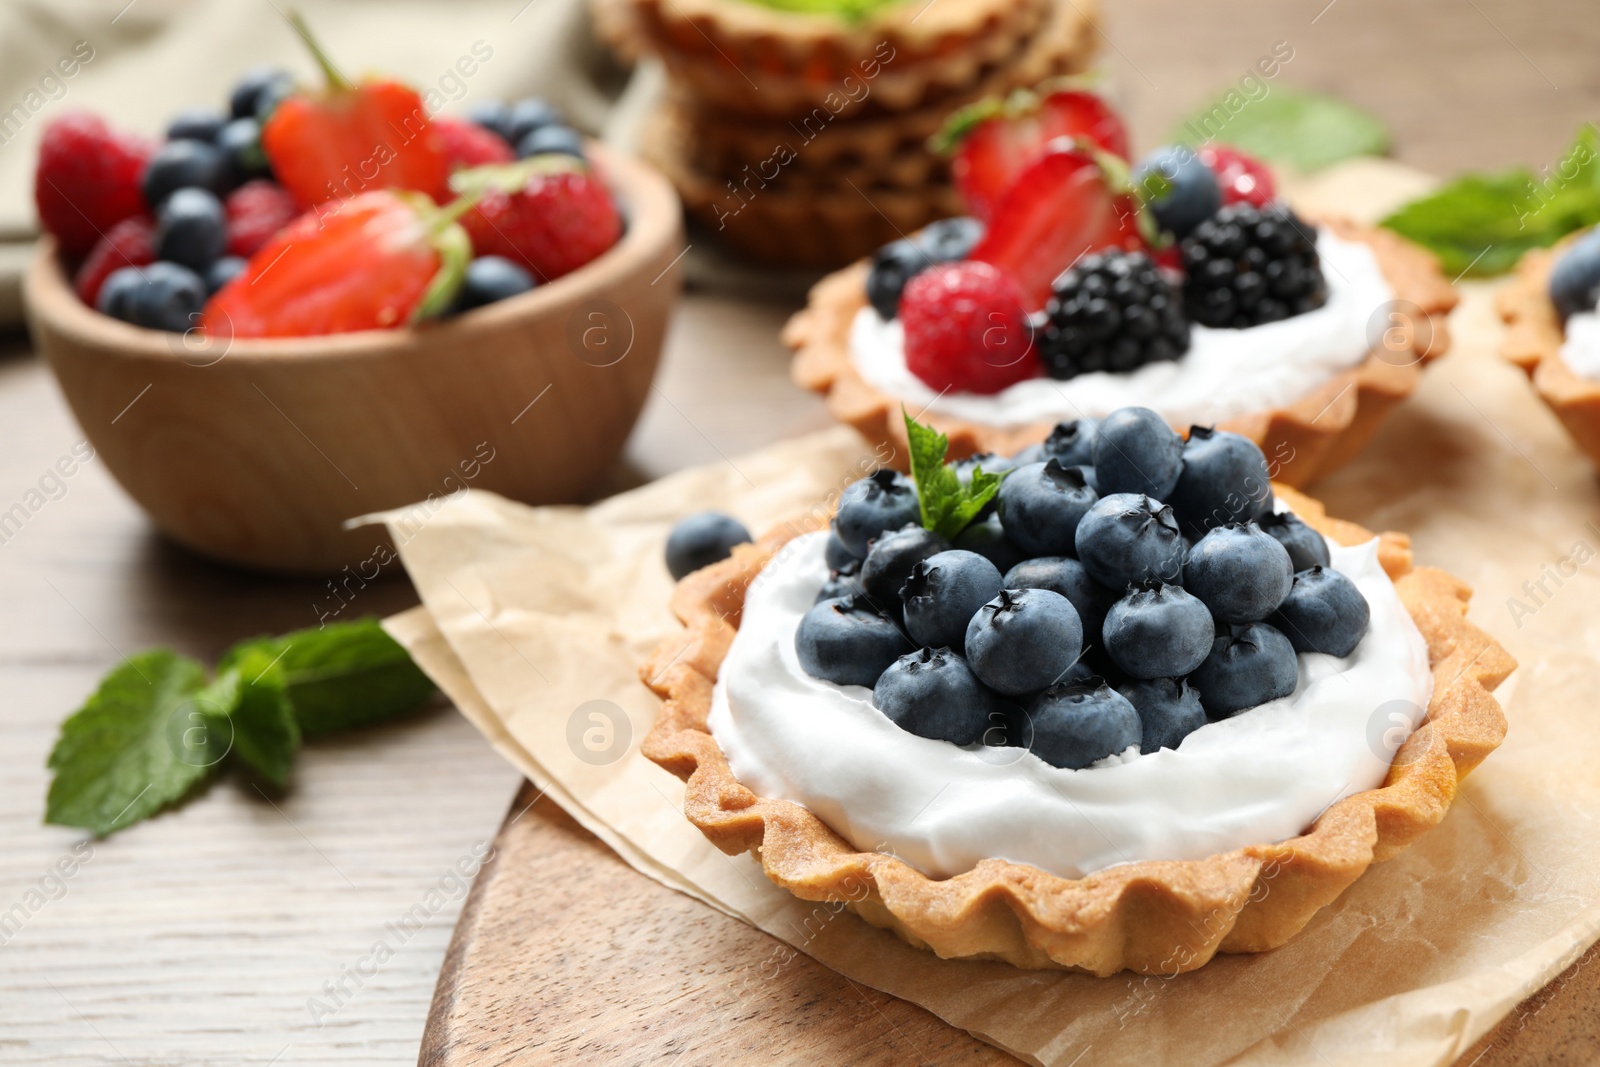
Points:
(948, 505)
(156, 727)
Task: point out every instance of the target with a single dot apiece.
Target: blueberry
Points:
(1136, 451)
(987, 537)
(245, 100)
(551, 140)
(1241, 573)
(275, 93)
(492, 115)
(884, 500)
(1041, 505)
(1168, 709)
(1072, 442)
(1181, 191)
(1307, 548)
(195, 124)
(1075, 725)
(1324, 612)
(222, 272)
(170, 298)
(1126, 538)
(891, 557)
(934, 694)
(897, 262)
(841, 582)
(191, 229)
(1575, 279)
(1248, 666)
(701, 539)
(117, 293)
(180, 164)
(1064, 575)
(492, 278)
(942, 595)
(1224, 480)
(1024, 640)
(848, 642)
(240, 144)
(988, 462)
(837, 556)
(1158, 631)
(528, 115)
(1031, 454)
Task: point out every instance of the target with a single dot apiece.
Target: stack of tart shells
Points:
(800, 140)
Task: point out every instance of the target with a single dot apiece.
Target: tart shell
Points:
(1533, 341)
(745, 58)
(1303, 441)
(1156, 917)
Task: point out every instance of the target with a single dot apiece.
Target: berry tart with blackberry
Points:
(1080, 711)
(1553, 332)
(1083, 282)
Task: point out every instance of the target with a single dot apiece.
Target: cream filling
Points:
(1581, 349)
(1262, 776)
(1225, 373)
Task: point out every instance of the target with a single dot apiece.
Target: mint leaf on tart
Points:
(947, 504)
(1307, 130)
(342, 676)
(156, 728)
(140, 742)
(1481, 224)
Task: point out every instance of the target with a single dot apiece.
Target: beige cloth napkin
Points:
(532, 614)
(147, 59)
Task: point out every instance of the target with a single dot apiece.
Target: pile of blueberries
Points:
(1127, 587)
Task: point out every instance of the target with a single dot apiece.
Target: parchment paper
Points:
(530, 614)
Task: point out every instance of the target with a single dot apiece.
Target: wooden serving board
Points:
(565, 954)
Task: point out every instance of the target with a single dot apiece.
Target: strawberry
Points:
(351, 138)
(130, 243)
(381, 259)
(87, 180)
(466, 144)
(550, 214)
(256, 210)
(994, 140)
(966, 329)
(1244, 178)
(1061, 206)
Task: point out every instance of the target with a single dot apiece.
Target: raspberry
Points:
(256, 210)
(1115, 312)
(1248, 265)
(1244, 178)
(554, 224)
(130, 243)
(87, 180)
(966, 329)
(466, 144)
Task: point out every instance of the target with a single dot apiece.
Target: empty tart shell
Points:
(1533, 341)
(883, 150)
(1151, 916)
(1303, 441)
(743, 57)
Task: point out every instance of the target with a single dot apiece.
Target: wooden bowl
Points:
(255, 452)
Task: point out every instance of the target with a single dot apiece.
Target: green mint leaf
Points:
(342, 676)
(1307, 130)
(249, 693)
(946, 504)
(975, 497)
(1481, 224)
(141, 741)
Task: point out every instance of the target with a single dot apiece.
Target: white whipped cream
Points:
(1262, 776)
(1225, 373)
(1581, 350)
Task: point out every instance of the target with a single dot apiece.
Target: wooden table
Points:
(203, 935)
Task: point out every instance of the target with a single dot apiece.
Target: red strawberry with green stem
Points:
(993, 141)
(353, 137)
(382, 259)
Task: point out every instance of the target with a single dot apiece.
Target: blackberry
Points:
(1247, 265)
(1112, 311)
